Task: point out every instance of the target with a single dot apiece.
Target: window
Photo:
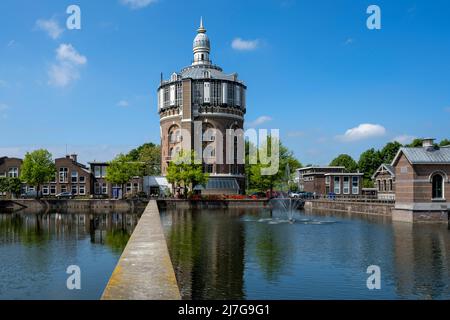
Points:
(82, 179)
(52, 189)
(45, 190)
(104, 188)
(355, 185)
(100, 171)
(172, 95)
(74, 177)
(13, 172)
(391, 185)
(327, 180)
(379, 185)
(82, 190)
(63, 188)
(346, 185)
(384, 185)
(404, 170)
(63, 175)
(128, 188)
(97, 189)
(337, 185)
(438, 186)
(207, 92)
(136, 187)
(74, 190)
(2, 174)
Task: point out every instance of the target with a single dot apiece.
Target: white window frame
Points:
(357, 185)
(172, 95)
(82, 190)
(207, 92)
(45, 190)
(82, 179)
(74, 174)
(63, 175)
(13, 172)
(52, 189)
(104, 187)
(346, 185)
(337, 187)
(72, 188)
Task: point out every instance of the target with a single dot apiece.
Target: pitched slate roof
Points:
(425, 155)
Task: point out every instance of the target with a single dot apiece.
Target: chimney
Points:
(74, 157)
(428, 143)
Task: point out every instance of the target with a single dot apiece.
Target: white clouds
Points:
(362, 132)
(259, 121)
(137, 4)
(245, 45)
(404, 139)
(51, 27)
(123, 104)
(67, 53)
(66, 69)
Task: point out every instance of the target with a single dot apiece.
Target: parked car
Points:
(295, 194)
(64, 195)
(30, 195)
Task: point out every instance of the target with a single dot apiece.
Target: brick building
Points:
(422, 186)
(205, 102)
(71, 176)
(324, 180)
(384, 181)
(101, 188)
(9, 168)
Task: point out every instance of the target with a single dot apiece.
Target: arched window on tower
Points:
(437, 182)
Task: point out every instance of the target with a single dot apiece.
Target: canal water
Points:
(259, 254)
(37, 249)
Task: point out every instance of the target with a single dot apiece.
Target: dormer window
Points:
(174, 77)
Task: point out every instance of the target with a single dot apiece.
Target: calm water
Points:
(36, 250)
(244, 254)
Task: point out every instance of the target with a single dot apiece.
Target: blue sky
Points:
(312, 68)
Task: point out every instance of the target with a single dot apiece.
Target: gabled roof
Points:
(386, 167)
(423, 155)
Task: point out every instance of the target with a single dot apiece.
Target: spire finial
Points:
(202, 28)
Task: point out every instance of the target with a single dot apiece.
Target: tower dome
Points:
(201, 46)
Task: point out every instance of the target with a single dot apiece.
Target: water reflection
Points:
(41, 246)
(258, 254)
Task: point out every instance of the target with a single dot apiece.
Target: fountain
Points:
(284, 202)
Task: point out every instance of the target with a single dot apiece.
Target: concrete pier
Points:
(144, 271)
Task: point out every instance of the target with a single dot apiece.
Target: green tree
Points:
(37, 168)
(150, 155)
(444, 143)
(121, 170)
(258, 181)
(369, 162)
(344, 160)
(389, 151)
(184, 172)
(415, 144)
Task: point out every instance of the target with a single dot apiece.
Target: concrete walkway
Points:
(144, 271)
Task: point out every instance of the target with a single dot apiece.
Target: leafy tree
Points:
(37, 168)
(415, 144)
(344, 160)
(150, 155)
(184, 172)
(369, 162)
(121, 170)
(389, 151)
(444, 143)
(287, 160)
